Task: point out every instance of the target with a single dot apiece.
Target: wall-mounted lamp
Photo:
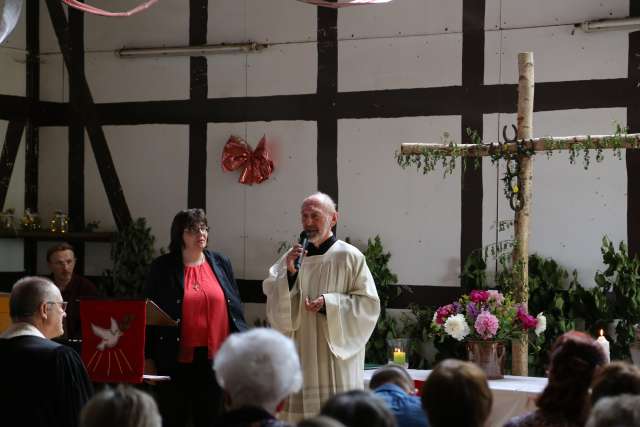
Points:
(205, 50)
(610, 25)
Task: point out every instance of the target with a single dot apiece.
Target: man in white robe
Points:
(329, 308)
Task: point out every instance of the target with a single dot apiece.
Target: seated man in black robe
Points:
(44, 384)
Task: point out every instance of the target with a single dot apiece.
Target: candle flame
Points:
(601, 332)
(396, 350)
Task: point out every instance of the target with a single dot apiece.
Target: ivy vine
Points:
(430, 158)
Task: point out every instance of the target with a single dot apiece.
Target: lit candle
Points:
(605, 345)
(399, 357)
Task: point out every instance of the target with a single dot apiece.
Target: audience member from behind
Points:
(123, 406)
(457, 394)
(394, 385)
(573, 360)
(358, 408)
(320, 421)
(61, 260)
(257, 370)
(618, 411)
(614, 379)
(45, 383)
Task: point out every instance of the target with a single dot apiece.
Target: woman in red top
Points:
(195, 287)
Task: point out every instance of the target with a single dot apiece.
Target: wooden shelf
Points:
(80, 236)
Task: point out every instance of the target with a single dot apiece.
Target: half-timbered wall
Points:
(335, 105)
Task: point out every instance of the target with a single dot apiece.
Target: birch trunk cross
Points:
(521, 151)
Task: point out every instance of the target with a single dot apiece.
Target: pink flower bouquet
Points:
(485, 315)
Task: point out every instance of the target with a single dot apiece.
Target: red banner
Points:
(113, 339)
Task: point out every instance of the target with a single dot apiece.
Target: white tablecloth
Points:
(511, 395)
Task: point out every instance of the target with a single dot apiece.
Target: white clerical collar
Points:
(20, 329)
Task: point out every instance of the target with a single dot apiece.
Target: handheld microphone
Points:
(303, 240)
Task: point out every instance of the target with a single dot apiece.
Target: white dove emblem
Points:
(109, 337)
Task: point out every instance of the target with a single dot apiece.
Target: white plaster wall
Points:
(399, 63)
(249, 223)
(416, 216)
(572, 208)
(11, 251)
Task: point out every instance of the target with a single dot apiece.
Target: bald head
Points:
(323, 200)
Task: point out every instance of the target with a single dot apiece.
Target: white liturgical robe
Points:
(331, 345)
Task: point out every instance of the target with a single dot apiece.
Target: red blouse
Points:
(205, 322)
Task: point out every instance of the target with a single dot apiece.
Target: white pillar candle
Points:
(605, 346)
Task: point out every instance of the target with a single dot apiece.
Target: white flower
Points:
(542, 324)
(457, 327)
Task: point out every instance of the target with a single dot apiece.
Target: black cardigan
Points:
(165, 286)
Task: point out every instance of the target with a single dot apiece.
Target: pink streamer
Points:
(96, 11)
(343, 3)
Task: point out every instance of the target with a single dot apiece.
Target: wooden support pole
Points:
(520, 260)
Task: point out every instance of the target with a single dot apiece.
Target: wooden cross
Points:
(522, 149)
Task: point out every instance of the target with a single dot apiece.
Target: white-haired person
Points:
(44, 383)
(257, 369)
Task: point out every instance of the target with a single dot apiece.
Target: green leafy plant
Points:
(131, 254)
(387, 327)
(617, 295)
(551, 292)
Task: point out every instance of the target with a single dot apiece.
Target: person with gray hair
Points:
(257, 370)
(123, 406)
(619, 411)
(322, 294)
(45, 383)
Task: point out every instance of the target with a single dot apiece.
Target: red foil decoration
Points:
(97, 11)
(256, 165)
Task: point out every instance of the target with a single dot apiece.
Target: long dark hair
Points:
(574, 359)
(183, 220)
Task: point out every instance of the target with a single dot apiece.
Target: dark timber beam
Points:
(198, 92)
(32, 137)
(326, 101)
(633, 156)
(76, 134)
(89, 115)
(471, 191)
(8, 156)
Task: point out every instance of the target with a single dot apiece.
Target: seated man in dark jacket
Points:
(45, 383)
(395, 386)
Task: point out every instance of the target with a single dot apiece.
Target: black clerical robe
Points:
(44, 384)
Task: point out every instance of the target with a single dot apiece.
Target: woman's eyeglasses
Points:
(197, 229)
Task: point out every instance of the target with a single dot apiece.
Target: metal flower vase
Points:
(489, 356)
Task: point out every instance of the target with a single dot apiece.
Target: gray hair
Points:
(27, 294)
(259, 367)
(123, 406)
(325, 200)
(618, 411)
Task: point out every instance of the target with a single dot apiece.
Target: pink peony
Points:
(443, 312)
(479, 296)
(495, 296)
(527, 320)
(486, 325)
